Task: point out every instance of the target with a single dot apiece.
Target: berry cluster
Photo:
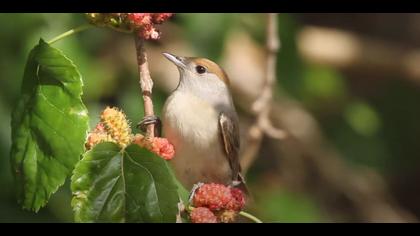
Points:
(113, 127)
(142, 23)
(160, 146)
(216, 203)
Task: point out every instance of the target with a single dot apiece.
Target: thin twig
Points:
(250, 217)
(261, 107)
(247, 215)
(146, 82)
(70, 32)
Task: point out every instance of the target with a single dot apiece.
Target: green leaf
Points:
(182, 192)
(129, 185)
(49, 126)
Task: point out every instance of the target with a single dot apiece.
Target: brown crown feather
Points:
(211, 68)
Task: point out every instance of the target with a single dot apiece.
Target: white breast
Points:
(191, 125)
(191, 118)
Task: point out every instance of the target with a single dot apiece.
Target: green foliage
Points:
(323, 87)
(285, 206)
(362, 118)
(130, 185)
(207, 38)
(44, 152)
(290, 67)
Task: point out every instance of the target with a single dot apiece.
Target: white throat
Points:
(210, 88)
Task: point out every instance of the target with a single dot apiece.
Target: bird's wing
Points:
(229, 132)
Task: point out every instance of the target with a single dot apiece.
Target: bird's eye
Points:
(200, 69)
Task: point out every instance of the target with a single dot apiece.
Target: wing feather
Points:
(229, 131)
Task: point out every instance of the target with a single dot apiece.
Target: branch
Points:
(146, 82)
(261, 106)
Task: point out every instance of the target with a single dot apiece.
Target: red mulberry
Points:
(214, 196)
(202, 215)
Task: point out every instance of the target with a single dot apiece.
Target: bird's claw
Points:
(148, 120)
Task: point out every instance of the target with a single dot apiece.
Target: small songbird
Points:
(200, 120)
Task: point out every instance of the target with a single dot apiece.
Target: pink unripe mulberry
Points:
(145, 23)
(159, 18)
(140, 19)
(163, 148)
(213, 196)
(202, 215)
(238, 200)
(160, 146)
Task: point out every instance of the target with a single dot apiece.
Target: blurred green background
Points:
(369, 115)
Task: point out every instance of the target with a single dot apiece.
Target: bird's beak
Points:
(178, 61)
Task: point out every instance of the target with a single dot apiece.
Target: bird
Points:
(200, 120)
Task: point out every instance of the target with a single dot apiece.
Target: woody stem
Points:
(146, 82)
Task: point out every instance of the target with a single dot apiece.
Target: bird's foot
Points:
(148, 120)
